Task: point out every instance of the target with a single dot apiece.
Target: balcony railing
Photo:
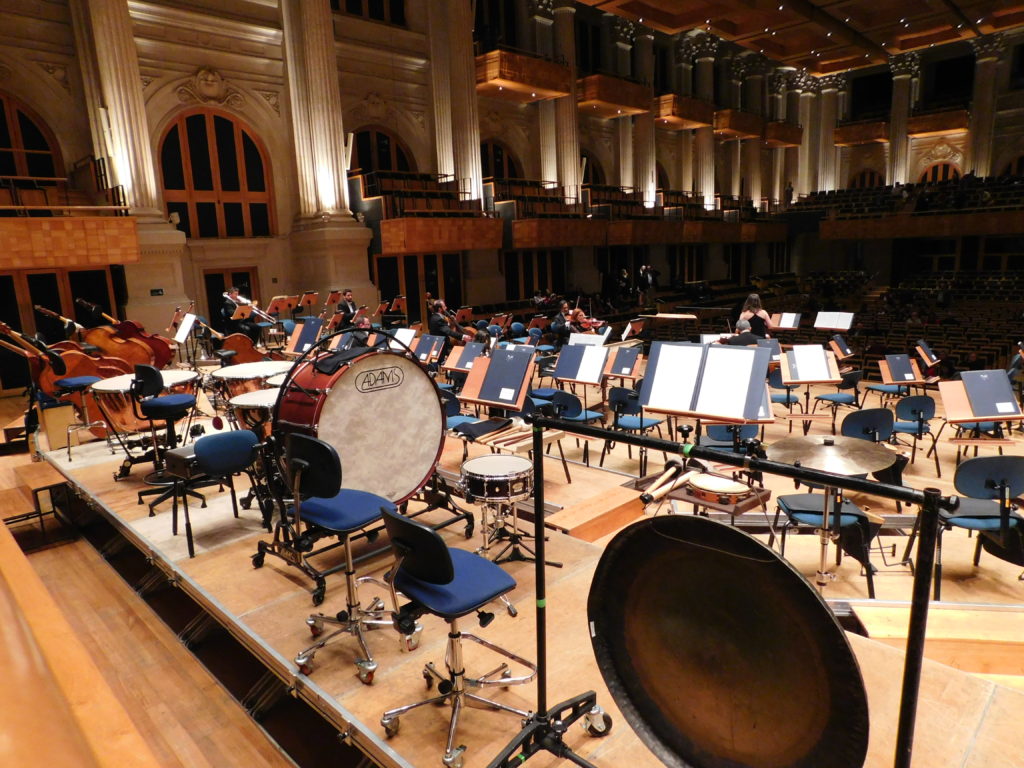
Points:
(521, 77)
(682, 113)
(610, 96)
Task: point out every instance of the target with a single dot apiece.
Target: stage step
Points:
(600, 515)
(978, 640)
(1007, 681)
(14, 429)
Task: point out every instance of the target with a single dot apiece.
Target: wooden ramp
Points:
(600, 515)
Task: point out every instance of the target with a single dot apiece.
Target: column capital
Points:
(905, 65)
(623, 31)
(780, 81)
(836, 82)
(544, 8)
(751, 65)
(988, 47)
(704, 45)
(805, 83)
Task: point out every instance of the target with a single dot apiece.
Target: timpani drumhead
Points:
(259, 398)
(123, 383)
(277, 380)
(258, 370)
(720, 654)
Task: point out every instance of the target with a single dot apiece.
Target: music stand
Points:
(501, 380)
(539, 321)
(402, 338)
(304, 336)
(333, 297)
(900, 371)
(714, 338)
(774, 347)
(623, 363)
(839, 346)
(633, 328)
(928, 359)
(785, 321)
(398, 305)
(807, 364)
(462, 358)
(464, 316)
(833, 321)
(242, 312)
(429, 348)
(381, 309)
(308, 299)
(183, 333)
(960, 408)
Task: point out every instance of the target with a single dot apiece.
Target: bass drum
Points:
(720, 654)
(380, 411)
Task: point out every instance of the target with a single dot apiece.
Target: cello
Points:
(161, 348)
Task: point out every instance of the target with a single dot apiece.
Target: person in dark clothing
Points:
(743, 337)
(440, 324)
(755, 314)
(348, 308)
(232, 301)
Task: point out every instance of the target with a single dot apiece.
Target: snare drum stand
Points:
(514, 537)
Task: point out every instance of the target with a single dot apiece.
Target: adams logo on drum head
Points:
(379, 378)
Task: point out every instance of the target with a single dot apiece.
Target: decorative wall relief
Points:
(208, 86)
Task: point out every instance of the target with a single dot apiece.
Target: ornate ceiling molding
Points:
(988, 47)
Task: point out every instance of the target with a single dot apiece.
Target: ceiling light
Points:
(828, 34)
(533, 95)
(846, 20)
(980, 20)
(641, 20)
(707, 21)
(902, 20)
(780, 6)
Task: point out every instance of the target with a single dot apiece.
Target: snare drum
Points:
(252, 410)
(114, 397)
(247, 377)
(717, 490)
(498, 478)
(380, 411)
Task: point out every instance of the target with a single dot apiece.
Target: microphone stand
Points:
(544, 729)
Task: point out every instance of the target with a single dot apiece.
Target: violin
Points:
(584, 323)
(161, 348)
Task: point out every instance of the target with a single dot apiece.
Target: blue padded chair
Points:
(218, 458)
(567, 406)
(628, 416)
(913, 415)
(518, 333)
(449, 583)
(75, 386)
(321, 508)
(150, 405)
(781, 394)
(535, 335)
(852, 524)
(727, 436)
(888, 392)
(847, 394)
(453, 415)
(986, 485)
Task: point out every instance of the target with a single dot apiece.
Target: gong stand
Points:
(544, 730)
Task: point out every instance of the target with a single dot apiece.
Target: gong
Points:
(720, 654)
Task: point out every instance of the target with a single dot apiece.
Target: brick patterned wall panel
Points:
(31, 243)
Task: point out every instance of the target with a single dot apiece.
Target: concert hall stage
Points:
(963, 720)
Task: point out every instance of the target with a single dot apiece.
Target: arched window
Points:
(1014, 167)
(940, 172)
(593, 173)
(27, 146)
(867, 178)
(216, 177)
(498, 162)
(378, 150)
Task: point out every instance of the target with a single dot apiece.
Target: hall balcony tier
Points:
(536, 214)
(682, 113)
(520, 77)
(410, 212)
(737, 124)
(780, 133)
(938, 123)
(865, 132)
(608, 96)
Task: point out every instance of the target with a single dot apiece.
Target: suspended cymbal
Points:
(841, 455)
(720, 654)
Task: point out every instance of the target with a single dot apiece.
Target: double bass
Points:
(161, 348)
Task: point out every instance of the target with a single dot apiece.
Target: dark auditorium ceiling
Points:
(826, 35)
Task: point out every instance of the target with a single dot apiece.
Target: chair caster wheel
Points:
(316, 626)
(454, 759)
(257, 559)
(512, 610)
(318, 594)
(391, 726)
(597, 722)
(306, 669)
(412, 642)
(365, 670)
(341, 616)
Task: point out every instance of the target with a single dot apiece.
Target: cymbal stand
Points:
(825, 533)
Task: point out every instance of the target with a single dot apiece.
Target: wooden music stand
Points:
(539, 321)
(624, 364)
(464, 316)
(429, 348)
(398, 306)
(839, 347)
(308, 300)
(463, 358)
(381, 309)
(928, 358)
(824, 371)
(833, 321)
(242, 312)
(633, 328)
(785, 321)
(333, 297)
(282, 304)
(959, 410)
(903, 361)
(501, 380)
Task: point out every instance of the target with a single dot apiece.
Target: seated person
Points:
(743, 337)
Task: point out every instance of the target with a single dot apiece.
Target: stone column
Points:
(112, 87)
(777, 111)
(623, 33)
(753, 101)
(567, 126)
(830, 87)
(645, 168)
(316, 109)
(705, 48)
(466, 121)
(684, 87)
(988, 51)
(328, 245)
(807, 178)
(441, 88)
(791, 171)
(904, 67)
(117, 109)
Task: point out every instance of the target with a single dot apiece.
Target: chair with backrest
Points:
(888, 392)
(148, 404)
(783, 394)
(987, 485)
(517, 331)
(567, 406)
(847, 394)
(535, 335)
(913, 415)
(449, 583)
(728, 437)
(218, 458)
(321, 508)
(628, 416)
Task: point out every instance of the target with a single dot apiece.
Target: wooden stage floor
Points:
(266, 609)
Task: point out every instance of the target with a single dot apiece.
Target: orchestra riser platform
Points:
(265, 609)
